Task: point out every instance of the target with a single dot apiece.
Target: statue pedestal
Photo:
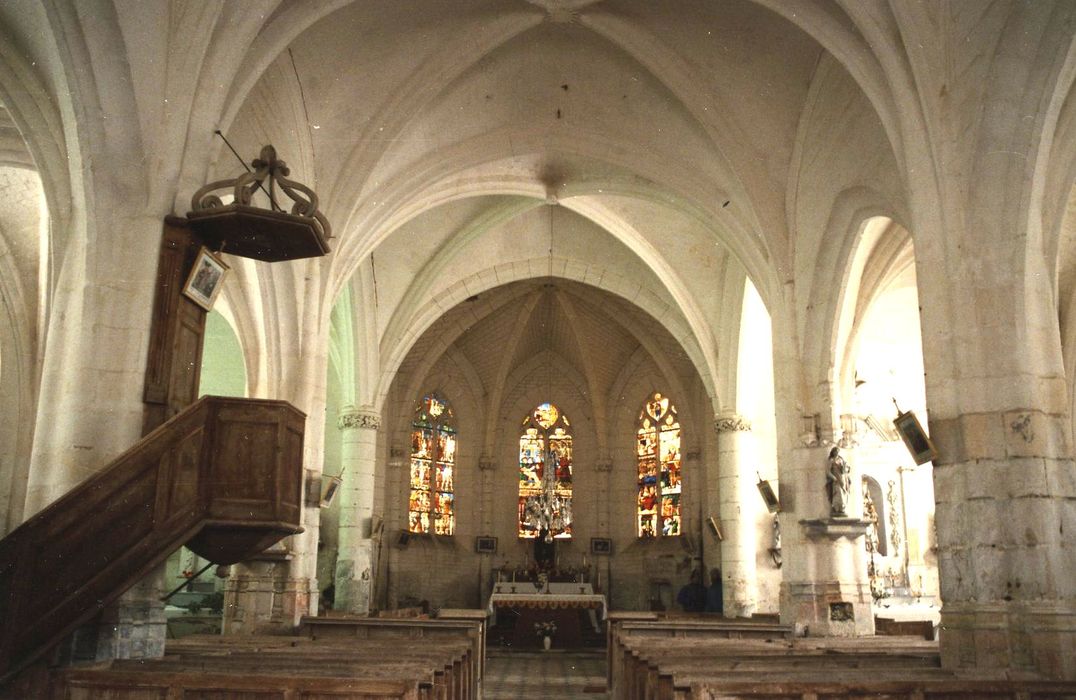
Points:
(837, 602)
(835, 527)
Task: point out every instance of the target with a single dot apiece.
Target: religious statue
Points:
(545, 550)
(838, 484)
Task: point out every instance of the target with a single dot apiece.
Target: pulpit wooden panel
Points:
(223, 477)
(177, 329)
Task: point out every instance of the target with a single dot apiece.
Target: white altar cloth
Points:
(591, 602)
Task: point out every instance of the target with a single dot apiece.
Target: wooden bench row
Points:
(661, 626)
(354, 659)
(456, 623)
(916, 689)
(670, 668)
(706, 659)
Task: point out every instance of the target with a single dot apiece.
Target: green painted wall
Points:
(223, 371)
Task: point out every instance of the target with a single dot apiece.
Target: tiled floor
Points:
(537, 675)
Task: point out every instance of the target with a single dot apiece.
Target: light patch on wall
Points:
(224, 372)
(889, 361)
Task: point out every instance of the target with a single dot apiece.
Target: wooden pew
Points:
(694, 627)
(890, 690)
(450, 625)
(135, 685)
(658, 670)
(678, 667)
(279, 668)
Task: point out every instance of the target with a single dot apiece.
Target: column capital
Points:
(731, 423)
(486, 463)
(365, 417)
(603, 464)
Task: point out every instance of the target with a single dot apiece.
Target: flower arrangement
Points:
(545, 629)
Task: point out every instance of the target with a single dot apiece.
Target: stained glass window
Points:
(431, 504)
(658, 450)
(545, 473)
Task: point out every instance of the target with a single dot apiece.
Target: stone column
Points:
(736, 504)
(825, 586)
(134, 627)
(355, 549)
(1005, 488)
(259, 597)
(604, 466)
(486, 466)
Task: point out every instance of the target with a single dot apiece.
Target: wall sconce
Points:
(775, 550)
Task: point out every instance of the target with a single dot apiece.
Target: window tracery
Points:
(431, 504)
(660, 479)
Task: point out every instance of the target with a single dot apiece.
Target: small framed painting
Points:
(329, 486)
(772, 504)
(485, 544)
(915, 438)
(206, 279)
(601, 545)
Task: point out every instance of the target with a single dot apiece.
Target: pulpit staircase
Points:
(223, 477)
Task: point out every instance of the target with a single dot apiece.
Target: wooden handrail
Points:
(223, 476)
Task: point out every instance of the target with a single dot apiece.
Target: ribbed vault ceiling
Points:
(589, 330)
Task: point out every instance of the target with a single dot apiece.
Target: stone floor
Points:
(537, 675)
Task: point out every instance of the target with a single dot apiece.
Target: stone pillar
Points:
(825, 586)
(259, 597)
(486, 466)
(1005, 490)
(604, 466)
(355, 549)
(737, 496)
(134, 627)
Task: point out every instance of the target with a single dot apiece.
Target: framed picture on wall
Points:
(772, 504)
(915, 438)
(484, 544)
(329, 486)
(206, 279)
(601, 545)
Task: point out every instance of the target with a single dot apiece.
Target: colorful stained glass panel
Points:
(431, 504)
(659, 482)
(546, 415)
(545, 498)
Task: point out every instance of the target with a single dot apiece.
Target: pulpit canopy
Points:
(249, 231)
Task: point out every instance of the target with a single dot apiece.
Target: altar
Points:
(565, 605)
